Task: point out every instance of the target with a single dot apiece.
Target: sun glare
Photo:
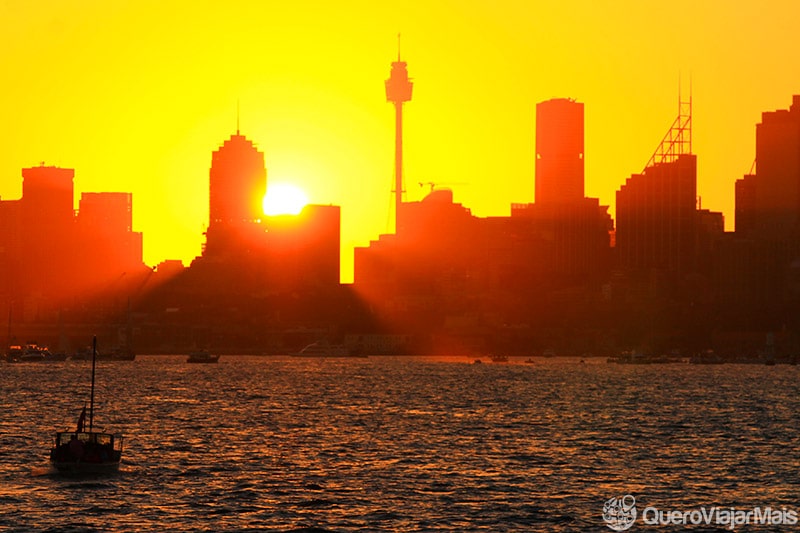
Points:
(284, 199)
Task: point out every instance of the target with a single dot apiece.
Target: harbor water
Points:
(400, 444)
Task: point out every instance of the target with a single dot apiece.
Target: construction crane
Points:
(433, 185)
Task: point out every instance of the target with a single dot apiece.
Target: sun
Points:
(284, 199)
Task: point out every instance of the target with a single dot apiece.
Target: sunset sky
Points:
(135, 96)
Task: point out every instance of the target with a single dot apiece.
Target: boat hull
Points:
(81, 468)
(202, 357)
(203, 361)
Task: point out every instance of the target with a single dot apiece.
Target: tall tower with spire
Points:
(398, 91)
(237, 185)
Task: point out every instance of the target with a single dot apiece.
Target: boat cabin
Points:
(86, 447)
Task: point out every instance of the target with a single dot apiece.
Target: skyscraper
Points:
(656, 214)
(47, 222)
(50, 190)
(46, 248)
(768, 202)
(559, 151)
(237, 185)
(238, 182)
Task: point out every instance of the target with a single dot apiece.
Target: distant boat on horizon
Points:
(33, 353)
(202, 356)
(323, 348)
(638, 358)
(115, 354)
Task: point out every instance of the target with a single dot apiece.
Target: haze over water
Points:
(398, 444)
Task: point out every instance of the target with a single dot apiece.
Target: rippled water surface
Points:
(397, 444)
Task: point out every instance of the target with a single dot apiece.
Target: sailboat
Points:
(85, 451)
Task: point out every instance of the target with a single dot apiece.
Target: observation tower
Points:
(398, 91)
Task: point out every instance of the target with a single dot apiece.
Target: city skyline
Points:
(553, 273)
(143, 118)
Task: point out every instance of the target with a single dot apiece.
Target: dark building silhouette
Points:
(575, 239)
(105, 225)
(559, 151)
(48, 225)
(768, 202)
(656, 217)
(662, 290)
(555, 275)
(258, 276)
(425, 278)
(275, 249)
(237, 184)
(660, 226)
(56, 262)
(48, 190)
(760, 264)
(575, 231)
(304, 248)
(457, 281)
(745, 210)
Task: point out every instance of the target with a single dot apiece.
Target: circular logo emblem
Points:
(620, 513)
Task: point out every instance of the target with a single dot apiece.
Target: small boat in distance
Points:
(13, 353)
(499, 358)
(116, 354)
(324, 349)
(202, 356)
(86, 451)
(30, 353)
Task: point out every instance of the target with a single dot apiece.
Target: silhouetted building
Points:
(258, 277)
(574, 232)
(656, 215)
(461, 280)
(574, 243)
(424, 276)
(559, 151)
(48, 220)
(768, 202)
(304, 248)
(432, 250)
(12, 260)
(745, 210)
(48, 196)
(269, 253)
(659, 225)
(763, 258)
(52, 259)
(237, 184)
(105, 224)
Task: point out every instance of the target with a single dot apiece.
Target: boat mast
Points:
(91, 398)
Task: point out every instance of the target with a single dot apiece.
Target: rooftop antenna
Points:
(237, 115)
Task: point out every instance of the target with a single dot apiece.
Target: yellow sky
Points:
(135, 95)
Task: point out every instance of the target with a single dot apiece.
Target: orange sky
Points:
(135, 95)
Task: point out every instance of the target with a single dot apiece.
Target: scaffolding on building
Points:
(678, 140)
